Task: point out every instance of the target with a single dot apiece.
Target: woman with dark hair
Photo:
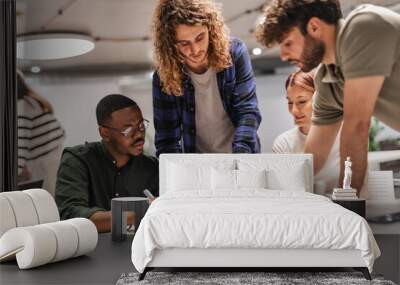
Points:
(40, 137)
(300, 90)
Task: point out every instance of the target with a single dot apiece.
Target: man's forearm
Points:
(360, 96)
(319, 143)
(102, 220)
(319, 156)
(354, 143)
(245, 139)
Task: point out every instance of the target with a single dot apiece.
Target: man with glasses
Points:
(204, 92)
(90, 175)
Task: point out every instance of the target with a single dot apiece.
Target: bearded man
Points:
(358, 74)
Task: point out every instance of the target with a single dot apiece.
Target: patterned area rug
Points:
(273, 278)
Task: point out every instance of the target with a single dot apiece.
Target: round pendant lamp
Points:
(50, 46)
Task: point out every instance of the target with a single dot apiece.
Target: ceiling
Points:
(121, 30)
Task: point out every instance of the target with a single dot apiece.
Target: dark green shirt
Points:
(88, 179)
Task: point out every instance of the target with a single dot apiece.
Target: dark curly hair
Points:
(280, 16)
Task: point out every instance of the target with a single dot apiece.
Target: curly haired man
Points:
(204, 92)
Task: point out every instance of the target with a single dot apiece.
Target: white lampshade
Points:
(45, 46)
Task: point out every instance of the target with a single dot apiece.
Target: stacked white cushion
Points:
(66, 238)
(87, 235)
(7, 218)
(282, 174)
(33, 246)
(41, 244)
(23, 208)
(30, 230)
(45, 206)
(27, 208)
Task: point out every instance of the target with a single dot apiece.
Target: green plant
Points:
(374, 129)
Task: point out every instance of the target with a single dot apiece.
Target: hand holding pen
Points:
(149, 196)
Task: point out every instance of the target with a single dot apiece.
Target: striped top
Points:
(39, 132)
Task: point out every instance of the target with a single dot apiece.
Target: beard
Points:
(312, 54)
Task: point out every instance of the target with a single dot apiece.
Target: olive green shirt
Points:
(367, 44)
(88, 179)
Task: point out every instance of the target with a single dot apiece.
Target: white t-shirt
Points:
(293, 141)
(214, 129)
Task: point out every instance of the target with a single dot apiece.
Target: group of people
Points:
(204, 98)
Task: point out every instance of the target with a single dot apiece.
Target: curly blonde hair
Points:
(170, 13)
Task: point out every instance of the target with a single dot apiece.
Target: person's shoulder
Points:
(237, 46)
(282, 143)
(76, 158)
(367, 19)
(28, 108)
(369, 12)
(288, 135)
(320, 72)
(320, 87)
(236, 42)
(148, 161)
(84, 150)
(156, 77)
(157, 92)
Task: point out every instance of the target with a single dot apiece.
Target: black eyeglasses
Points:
(129, 131)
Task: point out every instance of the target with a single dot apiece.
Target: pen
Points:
(148, 194)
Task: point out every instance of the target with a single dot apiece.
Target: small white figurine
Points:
(347, 174)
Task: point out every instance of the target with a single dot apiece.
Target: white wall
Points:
(75, 100)
(74, 105)
(273, 107)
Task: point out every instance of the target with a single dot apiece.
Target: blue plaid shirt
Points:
(174, 116)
